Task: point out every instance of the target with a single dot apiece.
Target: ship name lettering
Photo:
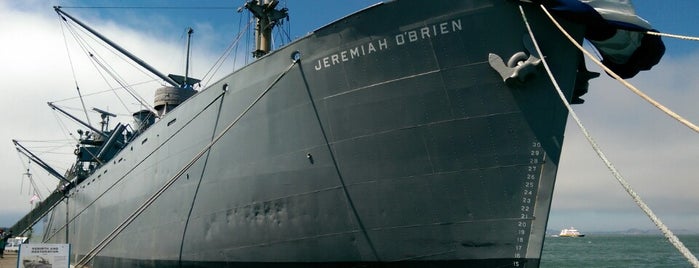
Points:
(428, 32)
(374, 46)
(352, 53)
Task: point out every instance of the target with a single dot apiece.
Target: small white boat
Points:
(570, 232)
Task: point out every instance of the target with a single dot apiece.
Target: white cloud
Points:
(36, 69)
(655, 153)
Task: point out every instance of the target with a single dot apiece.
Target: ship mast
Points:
(189, 41)
(267, 17)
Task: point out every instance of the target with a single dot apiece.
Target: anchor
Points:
(519, 68)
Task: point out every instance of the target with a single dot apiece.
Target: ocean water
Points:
(616, 251)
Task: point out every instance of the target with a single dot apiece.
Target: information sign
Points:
(43, 256)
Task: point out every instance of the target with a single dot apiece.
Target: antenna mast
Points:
(267, 17)
(189, 40)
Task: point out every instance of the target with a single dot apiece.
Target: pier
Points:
(10, 260)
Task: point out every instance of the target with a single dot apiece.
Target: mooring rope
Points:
(683, 37)
(122, 226)
(665, 230)
(621, 80)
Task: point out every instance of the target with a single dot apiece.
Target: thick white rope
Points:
(684, 37)
(624, 82)
(666, 231)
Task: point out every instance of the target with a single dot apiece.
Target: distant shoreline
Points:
(632, 231)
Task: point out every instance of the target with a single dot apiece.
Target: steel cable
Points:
(102, 244)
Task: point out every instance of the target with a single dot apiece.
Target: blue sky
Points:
(673, 16)
(656, 155)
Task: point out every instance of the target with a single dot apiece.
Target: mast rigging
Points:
(118, 48)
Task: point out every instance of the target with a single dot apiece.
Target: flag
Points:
(35, 197)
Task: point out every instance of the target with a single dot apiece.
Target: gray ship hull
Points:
(392, 143)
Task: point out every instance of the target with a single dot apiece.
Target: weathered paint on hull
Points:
(100, 262)
(392, 141)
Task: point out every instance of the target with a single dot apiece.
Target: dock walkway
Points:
(10, 260)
